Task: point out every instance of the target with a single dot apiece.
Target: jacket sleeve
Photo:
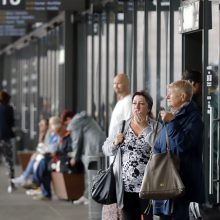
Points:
(108, 148)
(77, 143)
(187, 136)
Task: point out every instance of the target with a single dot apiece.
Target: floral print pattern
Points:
(135, 155)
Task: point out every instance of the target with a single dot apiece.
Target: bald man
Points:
(122, 110)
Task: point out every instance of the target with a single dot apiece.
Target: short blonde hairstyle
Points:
(55, 122)
(184, 87)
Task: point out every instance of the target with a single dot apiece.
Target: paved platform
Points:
(19, 206)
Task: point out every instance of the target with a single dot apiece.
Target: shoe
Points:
(30, 186)
(19, 181)
(86, 202)
(81, 200)
(41, 197)
(33, 192)
(11, 188)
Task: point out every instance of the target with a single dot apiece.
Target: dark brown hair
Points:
(4, 97)
(148, 99)
(66, 114)
(192, 75)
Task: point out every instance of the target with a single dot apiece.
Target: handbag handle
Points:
(155, 133)
(167, 140)
(122, 131)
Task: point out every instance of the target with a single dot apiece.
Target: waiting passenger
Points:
(185, 131)
(134, 150)
(87, 139)
(66, 117)
(195, 78)
(61, 157)
(47, 143)
(6, 133)
(121, 111)
(43, 138)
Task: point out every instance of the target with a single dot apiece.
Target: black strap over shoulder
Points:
(123, 126)
(122, 130)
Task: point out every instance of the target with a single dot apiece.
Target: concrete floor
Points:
(19, 206)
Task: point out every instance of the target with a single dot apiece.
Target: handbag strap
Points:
(156, 128)
(155, 133)
(122, 131)
(167, 140)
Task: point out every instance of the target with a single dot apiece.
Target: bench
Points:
(68, 186)
(24, 157)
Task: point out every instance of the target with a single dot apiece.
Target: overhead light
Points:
(163, 2)
(37, 25)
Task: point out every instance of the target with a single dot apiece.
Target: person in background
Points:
(6, 134)
(47, 149)
(121, 111)
(42, 176)
(195, 78)
(87, 140)
(66, 117)
(184, 126)
(135, 145)
(43, 141)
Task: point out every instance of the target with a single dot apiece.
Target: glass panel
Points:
(61, 68)
(96, 65)
(177, 62)
(120, 42)
(111, 59)
(103, 72)
(130, 41)
(89, 66)
(164, 52)
(140, 50)
(152, 36)
(212, 83)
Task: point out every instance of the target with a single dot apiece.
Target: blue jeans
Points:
(29, 169)
(42, 177)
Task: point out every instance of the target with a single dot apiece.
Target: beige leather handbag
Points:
(161, 179)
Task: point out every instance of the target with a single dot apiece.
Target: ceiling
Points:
(20, 17)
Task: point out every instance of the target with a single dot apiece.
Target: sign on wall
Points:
(42, 5)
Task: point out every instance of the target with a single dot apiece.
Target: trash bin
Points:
(95, 163)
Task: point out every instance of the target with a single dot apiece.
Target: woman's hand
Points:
(166, 116)
(119, 139)
(140, 119)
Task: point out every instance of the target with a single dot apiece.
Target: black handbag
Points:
(104, 188)
(104, 185)
(161, 179)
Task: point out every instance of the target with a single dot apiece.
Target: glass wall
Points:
(51, 73)
(34, 76)
(212, 123)
(131, 37)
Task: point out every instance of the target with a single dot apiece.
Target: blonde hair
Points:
(55, 122)
(184, 87)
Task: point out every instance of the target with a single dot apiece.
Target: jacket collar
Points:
(187, 109)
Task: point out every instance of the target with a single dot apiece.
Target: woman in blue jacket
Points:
(185, 131)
